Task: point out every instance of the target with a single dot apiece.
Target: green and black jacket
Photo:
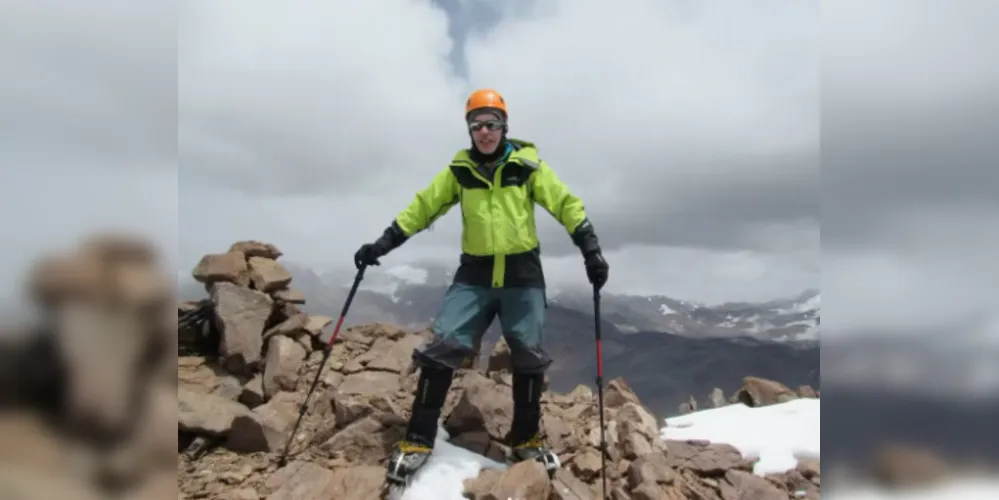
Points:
(499, 240)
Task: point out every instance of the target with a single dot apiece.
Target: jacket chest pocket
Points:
(476, 205)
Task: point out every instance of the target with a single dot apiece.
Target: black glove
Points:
(369, 253)
(596, 269)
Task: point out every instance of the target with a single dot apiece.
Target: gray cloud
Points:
(910, 102)
(88, 128)
(73, 88)
(683, 127)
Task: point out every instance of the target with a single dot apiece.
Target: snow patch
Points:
(807, 305)
(409, 274)
(777, 435)
(445, 472)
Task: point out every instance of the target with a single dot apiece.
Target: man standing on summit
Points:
(496, 183)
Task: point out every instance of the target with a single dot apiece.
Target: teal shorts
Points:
(468, 311)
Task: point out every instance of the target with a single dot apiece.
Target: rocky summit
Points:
(248, 354)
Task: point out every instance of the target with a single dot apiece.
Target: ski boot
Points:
(535, 449)
(525, 438)
(406, 459)
(413, 451)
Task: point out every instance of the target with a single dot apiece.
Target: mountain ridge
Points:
(410, 295)
(700, 348)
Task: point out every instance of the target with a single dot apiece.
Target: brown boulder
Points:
(499, 358)
(268, 275)
(756, 392)
(315, 324)
(303, 481)
(238, 494)
(29, 442)
(796, 483)
(20, 482)
(349, 408)
(638, 431)
(206, 414)
(561, 432)
(617, 393)
(396, 358)
(252, 393)
(481, 443)
(478, 487)
(527, 479)
(707, 459)
(289, 295)
(363, 482)
(581, 394)
(242, 315)
(229, 267)
(140, 286)
(292, 326)
(253, 248)
(566, 486)
(740, 485)
(266, 427)
(368, 440)
(370, 383)
(100, 383)
(586, 465)
(483, 405)
(55, 279)
(155, 444)
(650, 469)
(105, 269)
(284, 358)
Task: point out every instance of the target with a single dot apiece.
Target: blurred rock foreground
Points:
(90, 397)
(87, 396)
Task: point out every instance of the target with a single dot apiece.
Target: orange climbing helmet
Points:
(485, 99)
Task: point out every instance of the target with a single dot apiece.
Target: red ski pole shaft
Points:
(326, 357)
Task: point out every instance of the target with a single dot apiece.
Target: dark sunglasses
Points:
(492, 125)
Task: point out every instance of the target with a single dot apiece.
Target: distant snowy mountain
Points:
(393, 282)
(410, 295)
(794, 319)
(791, 319)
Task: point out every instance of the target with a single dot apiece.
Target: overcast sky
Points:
(910, 184)
(691, 132)
(87, 127)
(690, 129)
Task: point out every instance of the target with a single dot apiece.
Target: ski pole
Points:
(326, 356)
(600, 387)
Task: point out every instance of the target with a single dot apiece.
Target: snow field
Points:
(778, 435)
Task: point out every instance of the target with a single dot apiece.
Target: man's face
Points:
(487, 130)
